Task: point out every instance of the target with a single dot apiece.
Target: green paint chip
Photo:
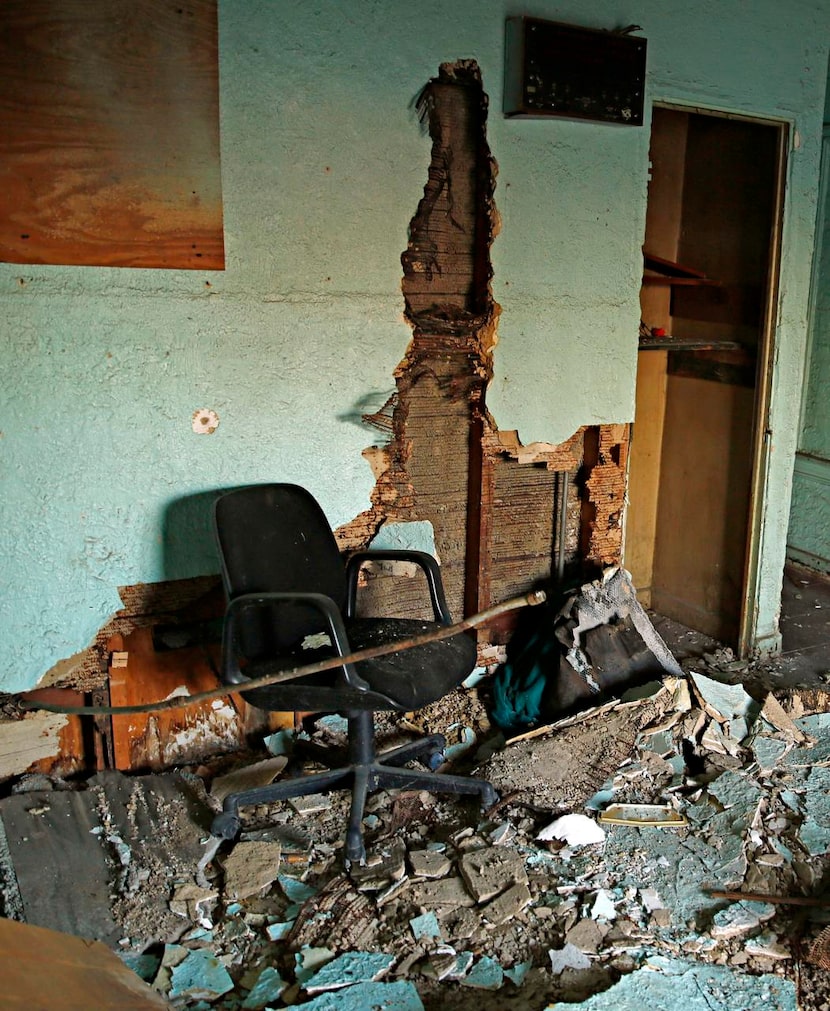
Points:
(267, 989)
(200, 975)
(401, 996)
(348, 969)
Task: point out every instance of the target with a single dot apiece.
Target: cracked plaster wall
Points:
(105, 482)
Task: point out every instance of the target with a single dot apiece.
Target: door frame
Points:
(765, 369)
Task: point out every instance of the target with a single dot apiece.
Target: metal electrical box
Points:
(553, 69)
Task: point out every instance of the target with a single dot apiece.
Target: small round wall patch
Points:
(205, 421)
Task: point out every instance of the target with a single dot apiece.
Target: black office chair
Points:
(285, 581)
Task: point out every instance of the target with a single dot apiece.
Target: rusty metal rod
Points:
(180, 701)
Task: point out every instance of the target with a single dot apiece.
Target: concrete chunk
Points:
(444, 892)
(250, 868)
(488, 872)
(429, 864)
(505, 906)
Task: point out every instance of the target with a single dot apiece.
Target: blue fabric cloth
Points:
(519, 684)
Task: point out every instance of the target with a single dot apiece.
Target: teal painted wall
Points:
(323, 164)
(809, 533)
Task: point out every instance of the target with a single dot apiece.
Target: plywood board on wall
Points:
(109, 133)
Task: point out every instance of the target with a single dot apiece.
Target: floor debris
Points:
(600, 877)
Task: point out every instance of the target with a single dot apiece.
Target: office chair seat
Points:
(285, 580)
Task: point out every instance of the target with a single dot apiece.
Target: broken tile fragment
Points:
(334, 722)
(143, 965)
(200, 975)
(442, 963)
(311, 803)
(279, 931)
(189, 897)
(517, 974)
(279, 743)
(308, 961)
(489, 871)
(486, 974)
(603, 907)
(574, 829)
(768, 751)
(400, 996)
(739, 918)
(425, 925)
(173, 955)
(815, 830)
(567, 957)
(463, 961)
(722, 701)
(348, 969)
(267, 990)
(773, 712)
(501, 834)
(386, 864)
(767, 945)
(429, 864)
(444, 892)
(250, 868)
(586, 936)
(294, 889)
(650, 899)
(507, 905)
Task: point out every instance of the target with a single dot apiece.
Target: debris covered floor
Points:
(520, 907)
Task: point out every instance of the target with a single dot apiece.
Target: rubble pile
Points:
(598, 877)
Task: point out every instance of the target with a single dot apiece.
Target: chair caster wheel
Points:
(355, 850)
(225, 826)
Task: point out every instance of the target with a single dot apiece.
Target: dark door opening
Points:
(709, 285)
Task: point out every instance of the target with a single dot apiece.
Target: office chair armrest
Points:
(231, 671)
(422, 559)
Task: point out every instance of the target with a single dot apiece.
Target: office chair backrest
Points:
(276, 538)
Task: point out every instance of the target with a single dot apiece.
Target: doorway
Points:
(706, 346)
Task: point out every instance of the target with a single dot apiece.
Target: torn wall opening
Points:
(503, 514)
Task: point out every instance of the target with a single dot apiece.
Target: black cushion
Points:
(402, 681)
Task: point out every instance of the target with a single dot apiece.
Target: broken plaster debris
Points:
(574, 829)
(756, 820)
(673, 983)
(250, 868)
(348, 969)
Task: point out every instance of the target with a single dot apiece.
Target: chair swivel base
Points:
(366, 775)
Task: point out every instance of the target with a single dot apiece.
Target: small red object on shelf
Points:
(658, 331)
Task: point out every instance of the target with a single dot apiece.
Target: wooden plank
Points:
(24, 743)
(70, 756)
(46, 969)
(109, 133)
(670, 268)
(680, 282)
(158, 740)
